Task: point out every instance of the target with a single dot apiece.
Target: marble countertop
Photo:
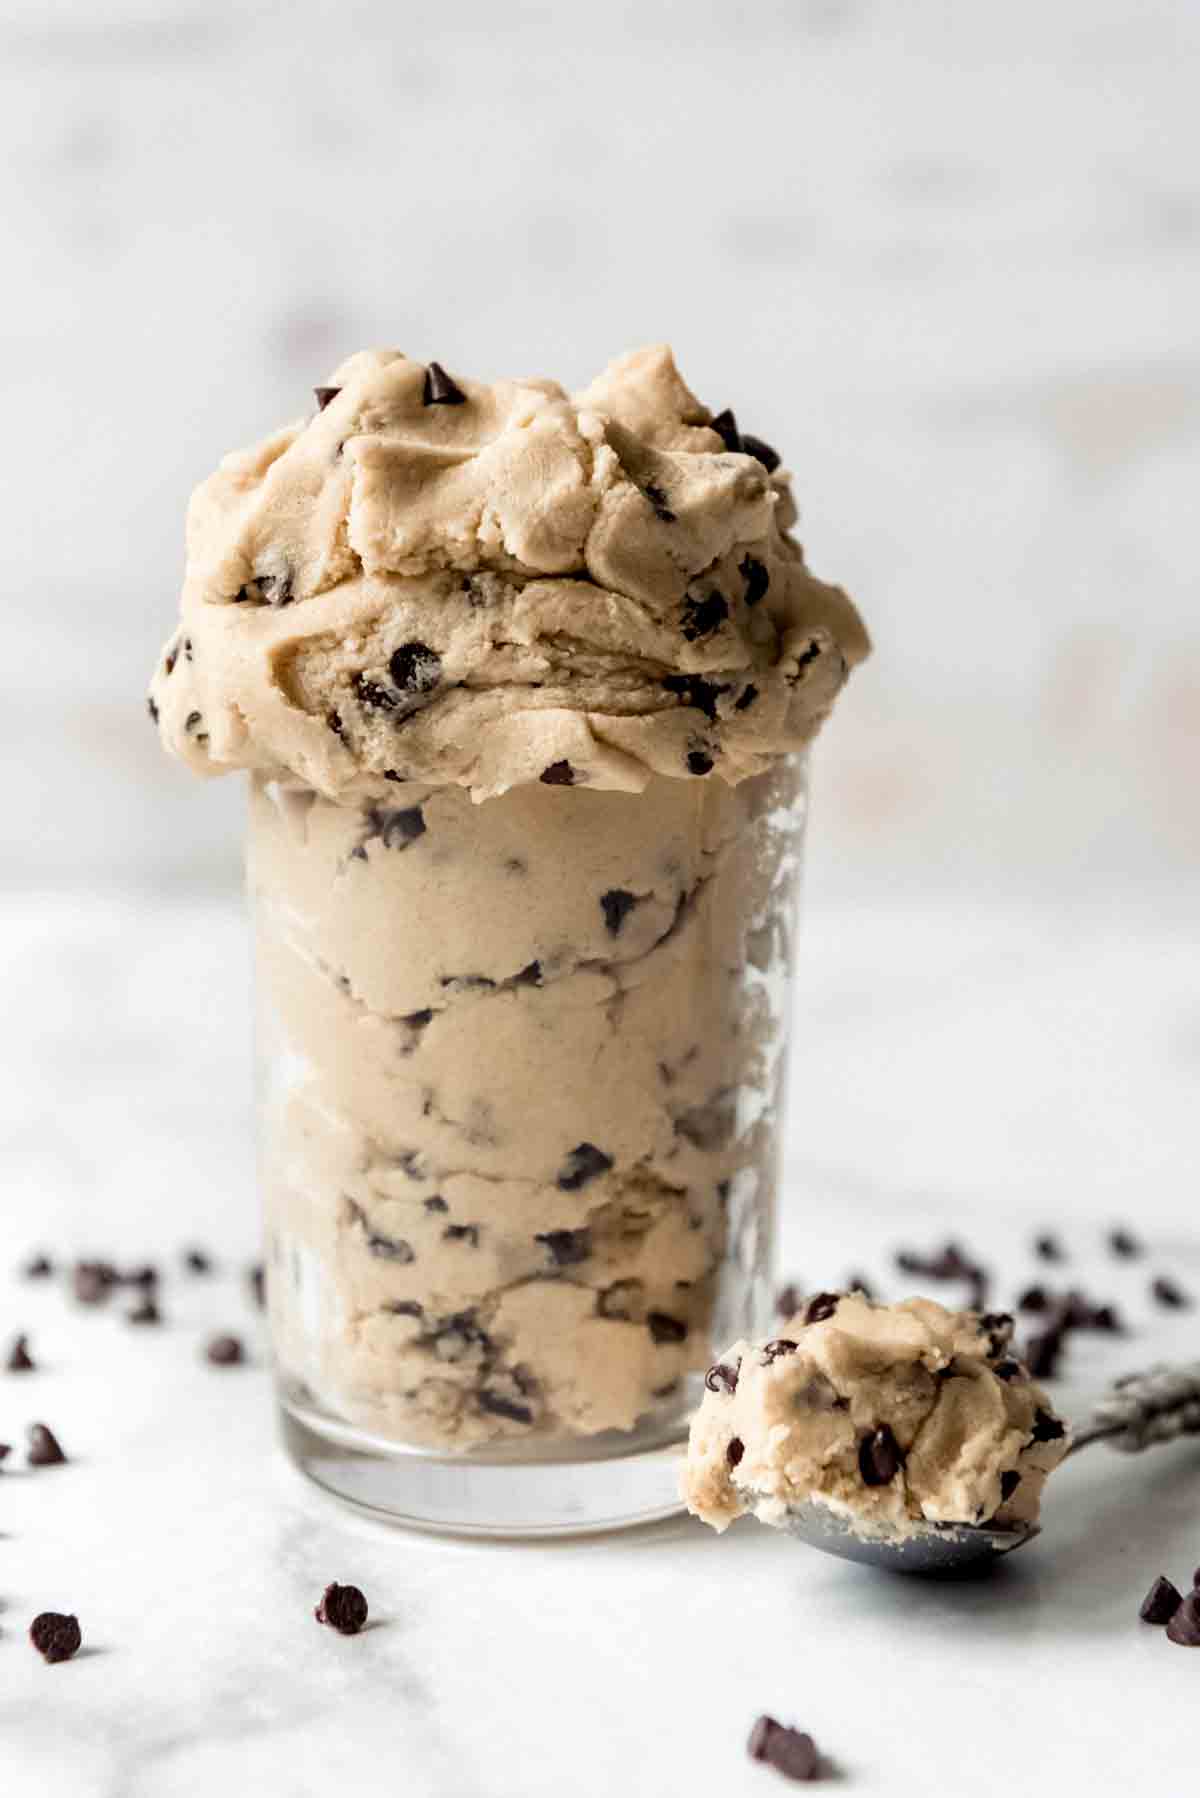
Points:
(1007, 1071)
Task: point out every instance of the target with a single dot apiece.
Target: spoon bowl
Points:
(931, 1548)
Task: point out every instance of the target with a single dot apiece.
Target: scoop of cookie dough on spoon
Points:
(907, 1436)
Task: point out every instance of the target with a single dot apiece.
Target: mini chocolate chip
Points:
(1124, 1244)
(664, 1328)
(5, 1452)
(880, 1457)
(725, 425)
(1009, 1481)
(1046, 1428)
(45, 1450)
(93, 1281)
(1048, 1248)
(762, 452)
(703, 615)
(756, 577)
(558, 774)
(145, 1312)
(38, 1267)
(145, 1276)
(417, 1020)
(1161, 1601)
(807, 656)
(323, 395)
(790, 1751)
(224, 1351)
(406, 1308)
(391, 774)
(171, 659)
(722, 1378)
(658, 500)
(700, 695)
(529, 975)
(567, 1248)
(1108, 1319)
(187, 649)
(343, 1608)
(436, 1203)
(746, 697)
(334, 721)
(376, 698)
(152, 709)
(1168, 1294)
(1007, 1370)
(780, 1345)
(735, 1450)
(1184, 1627)
(415, 667)
(1042, 1353)
(616, 906)
(390, 1248)
(860, 1284)
(1034, 1298)
(498, 1406)
(257, 1278)
(699, 762)
(582, 1165)
(440, 390)
(19, 1358)
(462, 1233)
(822, 1306)
(55, 1636)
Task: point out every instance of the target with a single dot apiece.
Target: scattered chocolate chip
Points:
(1124, 1244)
(880, 1457)
(55, 1636)
(1184, 1627)
(1161, 1601)
(1042, 1353)
(5, 1452)
(582, 1165)
(144, 1276)
(415, 667)
(756, 577)
(788, 1301)
(256, 1277)
(822, 1306)
(462, 1233)
(440, 390)
(45, 1450)
(664, 1328)
(746, 697)
(1108, 1319)
(567, 1248)
(790, 1751)
(19, 1358)
(1034, 1298)
(93, 1281)
(323, 395)
(1009, 1481)
(658, 501)
(558, 774)
(1046, 1428)
(498, 1406)
(224, 1351)
(699, 762)
(762, 452)
(616, 906)
(343, 1608)
(701, 695)
(145, 1312)
(196, 1261)
(38, 1267)
(725, 425)
(735, 1450)
(152, 709)
(1168, 1294)
(703, 614)
(722, 1378)
(779, 1345)
(1048, 1248)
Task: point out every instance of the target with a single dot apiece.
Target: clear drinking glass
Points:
(520, 1073)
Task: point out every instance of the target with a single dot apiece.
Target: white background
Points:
(947, 256)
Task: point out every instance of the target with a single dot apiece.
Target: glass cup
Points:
(520, 1076)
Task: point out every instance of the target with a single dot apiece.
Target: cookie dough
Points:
(895, 1416)
(523, 683)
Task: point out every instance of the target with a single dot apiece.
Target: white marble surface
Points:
(982, 1071)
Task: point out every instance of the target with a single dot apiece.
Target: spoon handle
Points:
(1143, 1409)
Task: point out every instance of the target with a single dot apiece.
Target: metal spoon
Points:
(1137, 1412)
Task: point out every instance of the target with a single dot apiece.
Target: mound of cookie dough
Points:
(440, 581)
(895, 1416)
